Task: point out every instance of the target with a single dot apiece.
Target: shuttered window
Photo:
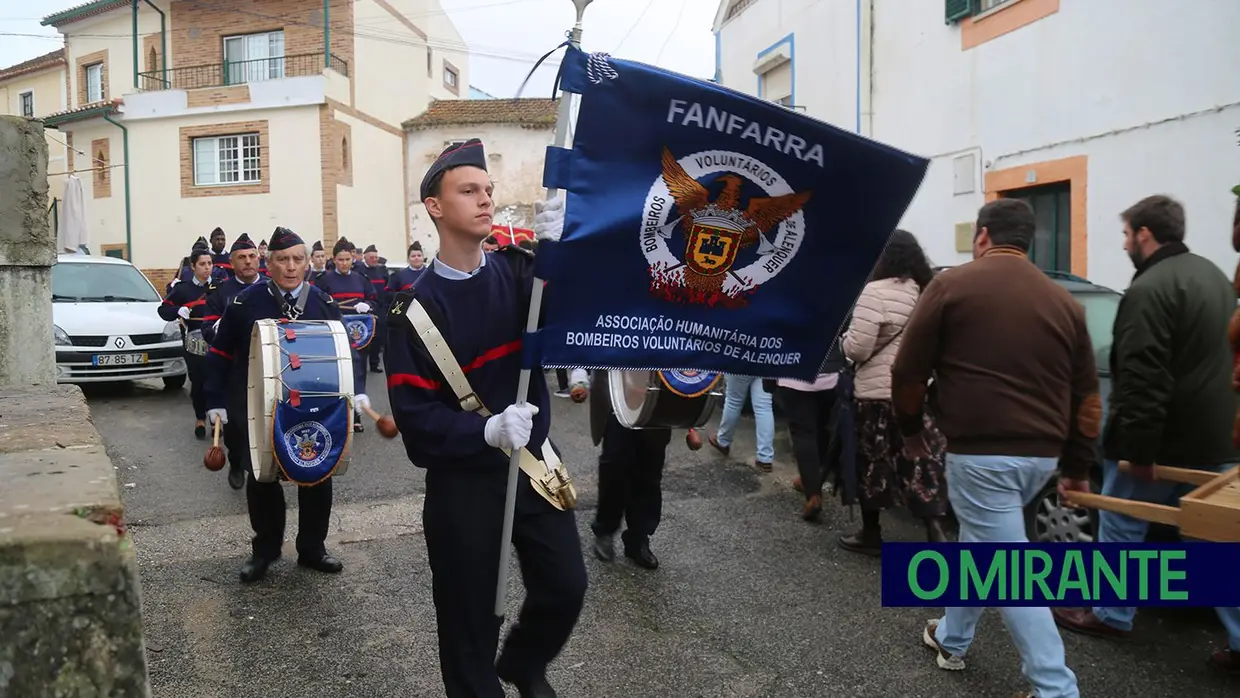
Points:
(957, 10)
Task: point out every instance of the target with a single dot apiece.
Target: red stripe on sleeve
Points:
(412, 381)
(221, 353)
(492, 354)
(209, 318)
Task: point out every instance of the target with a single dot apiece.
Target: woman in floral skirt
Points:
(887, 477)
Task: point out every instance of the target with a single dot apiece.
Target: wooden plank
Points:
(1157, 513)
(1212, 520)
(1220, 481)
(1183, 475)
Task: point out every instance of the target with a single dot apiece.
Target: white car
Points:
(107, 327)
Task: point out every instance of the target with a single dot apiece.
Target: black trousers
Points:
(375, 347)
(463, 520)
(561, 378)
(265, 500)
(196, 367)
(809, 423)
(630, 481)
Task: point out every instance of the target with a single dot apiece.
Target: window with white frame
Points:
(227, 160)
(254, 57)
(449, 76)
(94, 83)
(27, 104)
(992, 4)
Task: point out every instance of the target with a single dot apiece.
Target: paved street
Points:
(750, 601)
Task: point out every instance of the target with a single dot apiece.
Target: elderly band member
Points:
(243, 263)
(187, 301)
(463, 452)
(227, 390)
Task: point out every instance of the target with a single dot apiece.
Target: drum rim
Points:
(616, 393)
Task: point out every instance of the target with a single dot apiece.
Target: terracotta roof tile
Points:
(47, 60)
(524, 111)
(82, 11)
(69, 114)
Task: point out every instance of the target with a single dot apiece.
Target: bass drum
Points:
(663, 399)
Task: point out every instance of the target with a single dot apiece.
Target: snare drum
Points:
(300, 400)
(663, 399)
(195, 344)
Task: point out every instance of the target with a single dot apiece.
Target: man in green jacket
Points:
(1171, 399)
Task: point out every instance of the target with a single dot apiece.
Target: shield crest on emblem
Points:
(712, 249)
(361, 330)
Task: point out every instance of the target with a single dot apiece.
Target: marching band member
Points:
(403, 279)
(377, 273)
(466, 468)
(630, 487)
(187, 270)
(352, 292)
(262, 257)
(318, 262)
(243, 261)
(187, 301)
(220, 257)
(227, 394)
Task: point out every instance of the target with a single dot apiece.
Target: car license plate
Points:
(120, 359)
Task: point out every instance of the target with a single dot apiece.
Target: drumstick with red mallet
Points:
(214, 459)
(385, 423)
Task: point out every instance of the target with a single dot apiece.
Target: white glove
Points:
(549, 219)
(511, 428)
(212, 415)
(183, 312)
(362, 307)
(578, 375)
(361, 402)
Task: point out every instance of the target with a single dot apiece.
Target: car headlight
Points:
(60, 337)
(172, 332)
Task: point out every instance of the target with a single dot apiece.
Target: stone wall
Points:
(70, 607)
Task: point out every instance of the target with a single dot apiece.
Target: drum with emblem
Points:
(653, 399)
(300, 400)
(361, 330)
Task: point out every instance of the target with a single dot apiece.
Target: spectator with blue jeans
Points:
(1171, 400)
(739, 389)
(1016, 397)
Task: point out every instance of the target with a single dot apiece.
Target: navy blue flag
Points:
(706, 229)
(361, 330)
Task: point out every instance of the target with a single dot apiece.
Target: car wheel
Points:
(174, 382)
(1049, 520)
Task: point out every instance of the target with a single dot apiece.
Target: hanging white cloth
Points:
(71, 232)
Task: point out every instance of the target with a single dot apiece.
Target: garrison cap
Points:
(469, 153)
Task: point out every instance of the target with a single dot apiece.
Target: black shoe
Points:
(867, 541)
(537, 688)
(642, 555)
(358, 428)
(254, 569)
(236, 478)
(605, 547)
(376, 369)
(200, 432)
(325, 563)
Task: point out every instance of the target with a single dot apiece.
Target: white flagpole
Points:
(523, 385)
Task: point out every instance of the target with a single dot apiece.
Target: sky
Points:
(505, 36)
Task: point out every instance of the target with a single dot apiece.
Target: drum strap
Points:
(548, 475)
(292, 312)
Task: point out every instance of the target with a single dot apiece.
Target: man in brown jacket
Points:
(1016, 396)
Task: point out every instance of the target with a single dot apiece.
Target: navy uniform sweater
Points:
(228, 361)
(312, 274)
(403, 280)
(223, 264)
(219, 296)
(189, 294)
(438, 434)
(378, 276)
(347, 289)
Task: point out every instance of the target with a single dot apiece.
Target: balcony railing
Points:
(239, 72)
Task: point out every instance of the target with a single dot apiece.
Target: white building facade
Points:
(1081, 107)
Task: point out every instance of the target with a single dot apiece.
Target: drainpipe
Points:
(135, 45)
(163, 42)
(327, 33)
(128, 217)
